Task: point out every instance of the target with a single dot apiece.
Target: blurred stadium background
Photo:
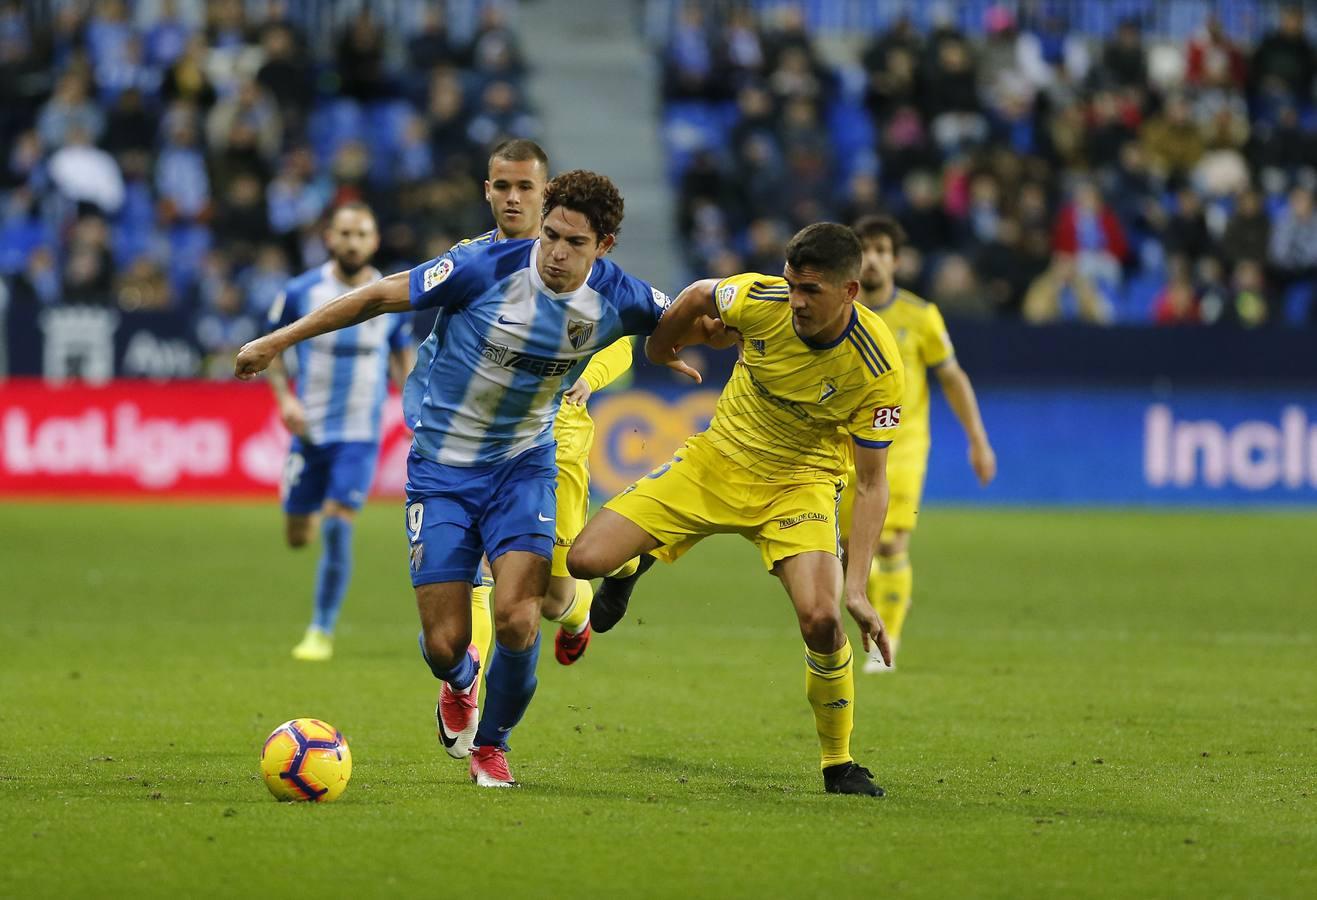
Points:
(1111, 202)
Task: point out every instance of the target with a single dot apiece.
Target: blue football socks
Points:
(509, 685)
(334, 571)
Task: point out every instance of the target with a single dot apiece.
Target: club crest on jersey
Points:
(826, 390)
(578, 332)
(661, 300)
(887, 417)
(726, 294)
(758, 345)
(437, 274)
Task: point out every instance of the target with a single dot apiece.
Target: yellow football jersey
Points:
(792, 408)
(922, 336)
(573, 427)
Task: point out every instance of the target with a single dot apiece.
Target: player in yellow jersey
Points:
(925, 347)
(819, 380)
(518, 172)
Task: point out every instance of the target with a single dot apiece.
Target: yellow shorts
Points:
(905, 483)
(574, 431)
(699, 493)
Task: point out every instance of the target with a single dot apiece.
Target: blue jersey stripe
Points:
(867, 340)
(873, 345)
(418, 405)
(864, 355)
(341, 377)
(546, 330)
(345, 362)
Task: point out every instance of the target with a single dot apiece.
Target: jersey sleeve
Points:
(934, 341)
(285, 310)
(640, 305)
(608, 364)
(746, 301)
(448, 281)
(875, 422)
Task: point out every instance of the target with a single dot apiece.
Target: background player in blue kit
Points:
(525, 318)
(334, 412)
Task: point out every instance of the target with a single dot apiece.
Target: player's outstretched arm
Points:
(691, 319)
(384, 296)
(291, 411)
(960, 397)
(866, 526)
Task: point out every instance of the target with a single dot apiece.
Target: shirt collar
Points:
(816, 345)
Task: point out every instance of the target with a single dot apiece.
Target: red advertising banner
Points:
(144, 439)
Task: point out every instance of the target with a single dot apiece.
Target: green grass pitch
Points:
(1089, 704)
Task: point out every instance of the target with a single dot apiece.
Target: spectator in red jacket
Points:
(1215, 61)
(1177, 304)
(1087, 225)
(1090, 247)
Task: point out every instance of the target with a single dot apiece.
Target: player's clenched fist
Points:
(253, 358)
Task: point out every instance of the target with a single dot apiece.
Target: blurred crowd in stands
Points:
(1042, 171)
(182, 156)
(1051, 160)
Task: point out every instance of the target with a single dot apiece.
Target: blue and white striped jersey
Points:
(343, 376)
(489, 378)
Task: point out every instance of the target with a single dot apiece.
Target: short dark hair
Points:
(519, 150)
(590, 194)
(353, 206)
(828, 247)
(869, 227)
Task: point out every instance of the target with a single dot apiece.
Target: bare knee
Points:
(822, 629)
(335, 510)
(297, 531)
(585, 560)
(516, 622)
(445, 643)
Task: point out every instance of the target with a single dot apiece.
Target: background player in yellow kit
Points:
(518, 172)
(925, 346)
(819, 378)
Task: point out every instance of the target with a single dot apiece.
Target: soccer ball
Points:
(306, 759)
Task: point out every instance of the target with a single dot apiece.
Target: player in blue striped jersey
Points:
(334, 412)
(525, 318)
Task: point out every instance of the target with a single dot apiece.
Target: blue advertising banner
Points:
(97, 344)
(1095, 445)
(1057, 445)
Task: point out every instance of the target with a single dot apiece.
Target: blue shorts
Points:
(314, 473)
(457, 513)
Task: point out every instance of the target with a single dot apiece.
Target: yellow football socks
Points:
(891, 582)
(577, 613)
(830, 686)
(482, 622)
(627, 569)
